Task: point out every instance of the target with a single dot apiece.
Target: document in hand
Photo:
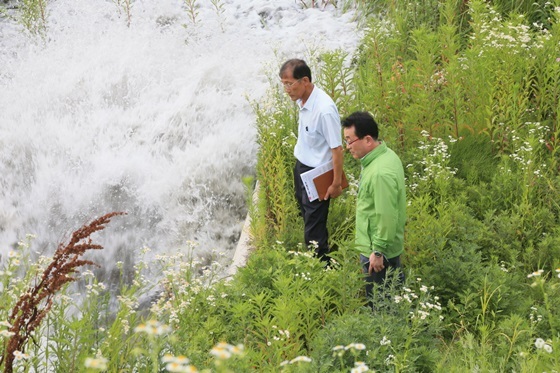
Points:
(318, 180)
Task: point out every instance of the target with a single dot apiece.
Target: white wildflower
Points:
(385, 341)
(20, 355)
(99, 363)
(298, 359)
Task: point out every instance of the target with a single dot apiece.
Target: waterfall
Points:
(151, 118)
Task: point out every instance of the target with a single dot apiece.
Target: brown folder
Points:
(324, 181)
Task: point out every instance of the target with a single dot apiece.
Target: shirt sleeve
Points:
(331, 129)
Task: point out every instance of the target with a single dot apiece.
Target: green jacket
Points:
(381, 206)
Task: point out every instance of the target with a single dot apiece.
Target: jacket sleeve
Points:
(384, 223)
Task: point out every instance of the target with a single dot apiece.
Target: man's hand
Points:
(333, 191)
(375, 263)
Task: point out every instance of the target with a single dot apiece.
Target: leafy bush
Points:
(400, 334)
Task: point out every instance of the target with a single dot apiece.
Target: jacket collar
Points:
(375, 153)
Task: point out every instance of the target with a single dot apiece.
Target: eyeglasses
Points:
(290, 84)
(348, 143)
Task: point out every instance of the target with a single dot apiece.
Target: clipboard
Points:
(324, 181)
(318, 180)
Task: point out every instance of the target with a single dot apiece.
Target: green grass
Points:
(468, 95)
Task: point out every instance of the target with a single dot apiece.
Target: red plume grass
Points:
(36, 302)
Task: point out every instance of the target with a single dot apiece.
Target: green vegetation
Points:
(31, 14)
(468, 94)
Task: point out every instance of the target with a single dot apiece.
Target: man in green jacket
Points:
(381, 205)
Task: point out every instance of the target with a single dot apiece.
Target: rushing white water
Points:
(152, 119)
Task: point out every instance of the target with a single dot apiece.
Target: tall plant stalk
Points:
(192, 10)
(126, 7)
(35, 303)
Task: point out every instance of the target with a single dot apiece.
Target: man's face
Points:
(356, 146)
(295, 88)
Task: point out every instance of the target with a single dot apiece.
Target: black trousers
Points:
(379, 277)
(314, 214)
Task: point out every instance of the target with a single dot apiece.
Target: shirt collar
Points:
(310, 101)
(369, 157)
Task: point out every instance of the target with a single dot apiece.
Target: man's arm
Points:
(335, 189)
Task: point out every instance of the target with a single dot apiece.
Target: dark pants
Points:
(380, 277)
(314, 214)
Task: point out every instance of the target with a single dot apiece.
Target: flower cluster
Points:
(6, 333)
(385, 341)
(128, 302)
(153, 327)
(94, 289)
(304, 275)
(359, 366)
(224, 351)
(282, 334)
(18, 355)
(14, 257)
(513, 36)
(178, 364)
(184, 278)
(432, 164)
(353, 184)
(306, 254)
(425, 306)
(353, 347)
(98, 363)
(541, 344)
(538, 277)
(536, 273)
(503, 267)
(438, 79)
(534, 316)
(523, 151)
(298, 359)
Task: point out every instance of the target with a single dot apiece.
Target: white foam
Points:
(152, 119)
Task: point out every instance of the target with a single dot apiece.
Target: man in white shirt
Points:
(319, 141)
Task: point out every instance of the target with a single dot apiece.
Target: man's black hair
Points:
(363, 124)
(298, 67)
